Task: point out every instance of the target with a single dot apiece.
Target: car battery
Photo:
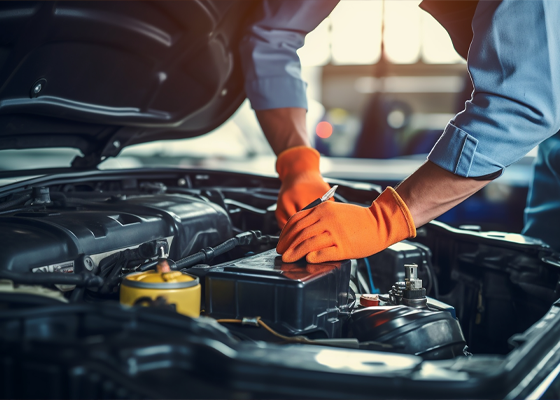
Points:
(294, 299)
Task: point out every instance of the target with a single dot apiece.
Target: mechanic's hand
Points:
(302, 183)
(337, 231)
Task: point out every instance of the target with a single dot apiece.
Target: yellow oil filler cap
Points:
(176, 288)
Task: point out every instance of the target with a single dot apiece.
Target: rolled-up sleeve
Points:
(271, 66)
(514, 63)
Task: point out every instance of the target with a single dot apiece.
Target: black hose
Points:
(113, 277)
(208, 254)
(110, 266)
(106, 265)
(193, 259)
(148, 266)
(86, 279)
(7, 204)
(61, 197)
(77, 295)
(143, 252)
(222, 248)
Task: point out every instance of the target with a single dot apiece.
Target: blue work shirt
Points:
(269, 57)
(514, 64)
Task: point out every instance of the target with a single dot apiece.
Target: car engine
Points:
(160, 249)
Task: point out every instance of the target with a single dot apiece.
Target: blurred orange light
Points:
(324, 130)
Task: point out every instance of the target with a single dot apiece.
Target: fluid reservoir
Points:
(181, 291)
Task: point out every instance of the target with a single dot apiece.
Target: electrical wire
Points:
(345, 343)
(373, 289)
(430, 278)
(354, 298)
(431, 273)
(261, 323)
(363, 286)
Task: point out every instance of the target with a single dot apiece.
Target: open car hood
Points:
(98, 76)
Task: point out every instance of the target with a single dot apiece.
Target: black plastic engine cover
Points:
(430, 334)
(297, 298)
(54, 240)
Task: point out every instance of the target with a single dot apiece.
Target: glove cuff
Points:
(296, 160)
(392, 207)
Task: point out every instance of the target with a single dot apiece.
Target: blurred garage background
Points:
(383, 81)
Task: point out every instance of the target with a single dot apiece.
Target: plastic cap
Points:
(369, 300)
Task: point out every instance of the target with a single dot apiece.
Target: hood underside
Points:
(98, 76)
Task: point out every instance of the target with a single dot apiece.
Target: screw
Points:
(37, 87)
(117, 144)
(182, 182)
(88, 263)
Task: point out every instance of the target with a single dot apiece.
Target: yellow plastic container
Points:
(181, 290)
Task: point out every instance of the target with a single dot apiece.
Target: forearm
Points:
(431, 191)
(284, 128)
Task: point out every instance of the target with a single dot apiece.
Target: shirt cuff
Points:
(280, 92)
(456, 152)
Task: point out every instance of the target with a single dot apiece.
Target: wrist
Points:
(297, 160)
(284, 128)
(406, 214)
(432, 190)
(390, 206)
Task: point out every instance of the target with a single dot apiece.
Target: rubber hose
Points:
(86, 279)
(77, 295)
(228, 245)
(7, 204)
(59, 196)
(113, 276)
(203, 256)
(208, 254)
(191, 260)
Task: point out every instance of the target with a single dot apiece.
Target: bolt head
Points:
(182, 182)
(37, 87)
(88, 263)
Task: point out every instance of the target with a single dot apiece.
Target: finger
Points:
(300, 221)
(289, 206)
(312, 244)
(296, 238)
(295, 224)
(331, 253)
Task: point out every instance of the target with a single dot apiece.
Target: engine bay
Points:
(203, 244)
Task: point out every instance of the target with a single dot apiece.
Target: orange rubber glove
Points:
(337, 231)
(302, 183)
